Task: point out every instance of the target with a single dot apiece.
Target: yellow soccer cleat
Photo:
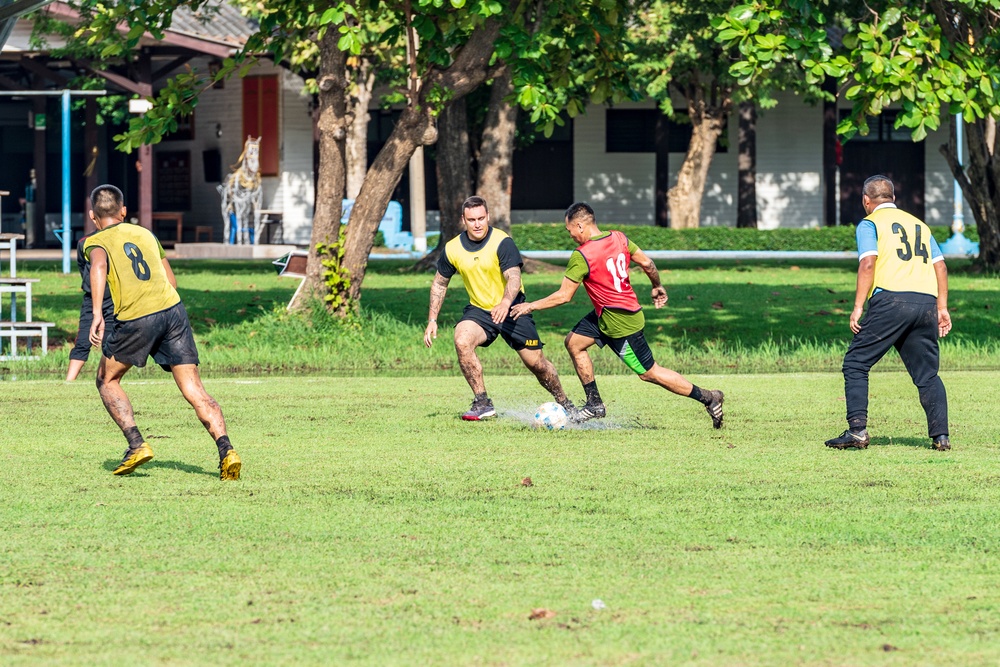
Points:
(133, 459)
(229, 467)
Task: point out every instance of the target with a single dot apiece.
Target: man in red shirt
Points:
(601, 263)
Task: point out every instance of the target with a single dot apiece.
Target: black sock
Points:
(590, 390)
(133, 436)
(698, 395)
(224, 446)
(481, 398)
(857, 424)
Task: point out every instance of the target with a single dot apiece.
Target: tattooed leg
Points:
(544, 371)
(469, 336)
(109, 375)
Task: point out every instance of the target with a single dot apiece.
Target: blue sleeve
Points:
(935, 250)
(867, 238)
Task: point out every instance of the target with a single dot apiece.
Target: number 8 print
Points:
(139, 266)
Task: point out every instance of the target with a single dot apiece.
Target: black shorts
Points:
(632, 349)
(166, 336)
(519, 334)
(81, 350)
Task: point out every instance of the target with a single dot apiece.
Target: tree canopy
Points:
(932, 60)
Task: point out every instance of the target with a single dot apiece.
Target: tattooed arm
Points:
(438, 289)
(502, 309)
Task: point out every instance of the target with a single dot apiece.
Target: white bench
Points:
(12, 331)
(13, 286)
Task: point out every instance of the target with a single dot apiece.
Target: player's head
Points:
(107, 205)
(580, 222)
(476, 216)
(877, 190)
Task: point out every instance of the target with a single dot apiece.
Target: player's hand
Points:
(97, 330)
(944, 322)
(520, 309)
(500, 312)
(856, 319)
(430, 333)
(659, 296)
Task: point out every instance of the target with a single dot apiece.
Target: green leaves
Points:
(902, 55)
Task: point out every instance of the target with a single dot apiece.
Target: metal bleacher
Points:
(12, 329)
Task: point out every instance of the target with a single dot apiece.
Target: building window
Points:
(634, 131)
(543, 169)
(260, 119)
(880, 128)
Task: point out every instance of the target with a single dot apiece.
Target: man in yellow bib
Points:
(903, 277)
(490, 266)
(150, 321)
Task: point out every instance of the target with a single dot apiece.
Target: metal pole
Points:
(66, 228)
(958, 218)
(65, 95)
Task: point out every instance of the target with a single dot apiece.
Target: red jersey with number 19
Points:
(607, 281)
(136, 276)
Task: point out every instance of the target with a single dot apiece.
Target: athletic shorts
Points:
(519, 334)
(166, 336)
(81, 351)
(632, 349)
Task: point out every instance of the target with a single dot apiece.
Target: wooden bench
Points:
(271, 230)
(176, 218)
(24, 330)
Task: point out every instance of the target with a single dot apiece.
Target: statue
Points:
(242, 195)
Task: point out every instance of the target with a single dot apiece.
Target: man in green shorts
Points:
(601, 263)
(150, 320)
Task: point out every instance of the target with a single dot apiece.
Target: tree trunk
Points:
(454, 176)
(707, 123)
(746, 209)
(496, 154)
(357, 137)
(980, 182)
(331, 179)
(471, 66)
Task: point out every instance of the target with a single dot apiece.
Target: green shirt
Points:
(613, 322)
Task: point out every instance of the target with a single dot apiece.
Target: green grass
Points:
(726, 317)
(372, 526)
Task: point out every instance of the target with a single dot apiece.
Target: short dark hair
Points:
(879, 187)
(107, 201)
(580, 210)
(474, 201)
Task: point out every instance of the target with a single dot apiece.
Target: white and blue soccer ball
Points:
(551, 416)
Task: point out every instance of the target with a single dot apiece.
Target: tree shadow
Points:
(747, 310)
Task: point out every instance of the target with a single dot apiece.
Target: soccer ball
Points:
(551, 416)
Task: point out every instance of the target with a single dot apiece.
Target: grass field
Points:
(372, 526)
(721, 318)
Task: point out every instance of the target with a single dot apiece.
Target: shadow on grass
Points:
(142, 471)
(710, 312)
(888, 440)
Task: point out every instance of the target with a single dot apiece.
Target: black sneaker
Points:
(590, 411)
(714, 409)
(849, 439)
(571, 410)
(941, 443)
(480, 410)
